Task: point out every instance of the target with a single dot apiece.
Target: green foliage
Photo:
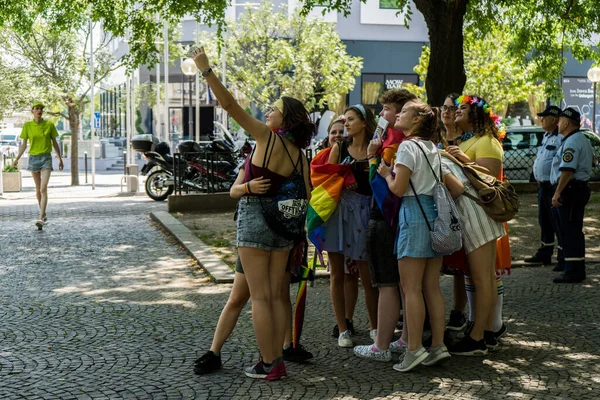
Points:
(269, 54)
(138, 122)
(9, 168)
(492, 72)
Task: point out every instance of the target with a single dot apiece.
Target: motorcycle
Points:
(212, 167)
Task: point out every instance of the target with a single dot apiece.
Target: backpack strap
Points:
(420, 206)
(267, 154)
(294, 164)
(426, 159)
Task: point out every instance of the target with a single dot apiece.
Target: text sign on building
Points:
(96, 120)
(579, 94)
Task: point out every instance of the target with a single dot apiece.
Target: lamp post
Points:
(593, 75)
(188, 67)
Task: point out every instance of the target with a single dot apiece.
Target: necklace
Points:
(287, 135)
(464, 137)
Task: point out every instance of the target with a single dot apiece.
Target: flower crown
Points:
(486, 108)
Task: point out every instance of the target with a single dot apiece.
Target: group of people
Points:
(562, 169)
(389, 247)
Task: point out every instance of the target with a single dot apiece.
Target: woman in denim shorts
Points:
(42, 135)
(263, 253)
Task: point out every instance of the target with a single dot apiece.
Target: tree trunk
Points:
(446, 71)
(74, 122)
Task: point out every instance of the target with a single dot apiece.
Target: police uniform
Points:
(541, 171)
(574, 154)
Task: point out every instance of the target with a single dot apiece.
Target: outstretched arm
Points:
(22, 149)
(256, 128)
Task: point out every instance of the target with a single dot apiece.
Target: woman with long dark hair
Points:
(264, 254)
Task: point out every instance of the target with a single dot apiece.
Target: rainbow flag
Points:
(388, 203)
(329, 180)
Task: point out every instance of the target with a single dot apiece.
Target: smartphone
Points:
(382, 125)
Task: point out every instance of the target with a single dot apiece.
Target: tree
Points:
(58, 73)
(269, 54)
(491, 72)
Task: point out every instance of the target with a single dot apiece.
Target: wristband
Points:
(247, 187)
(207, 72)
(371, 155)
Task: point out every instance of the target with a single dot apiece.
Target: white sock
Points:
(499, 303)
(470, 288)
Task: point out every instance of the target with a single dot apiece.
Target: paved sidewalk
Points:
(103, 305)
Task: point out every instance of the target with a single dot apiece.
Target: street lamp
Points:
(593, 75)
(188, 67)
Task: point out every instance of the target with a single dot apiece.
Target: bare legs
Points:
(336, 288)
(265, 272)
(420, 276)
(460, 293)
(41, 179)
(481, 269)
(350, 294)
(231, 312)
(387, 315)
(371, 293)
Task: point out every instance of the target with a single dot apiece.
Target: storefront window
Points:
(388, 4)
(373, 85)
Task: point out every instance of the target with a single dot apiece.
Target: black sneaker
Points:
(336, 329)
(490, 340)
(210, 362)
(559, 267)
(457, 321)
(538, 260)
(500, 332)
(297, 355)
(469, 328)
(469, 347)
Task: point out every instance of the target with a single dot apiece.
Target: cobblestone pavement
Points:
(103, 305)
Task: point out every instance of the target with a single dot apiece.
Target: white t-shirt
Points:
(412, 158)
(449, 167)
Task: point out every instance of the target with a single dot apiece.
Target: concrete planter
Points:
(11, 181)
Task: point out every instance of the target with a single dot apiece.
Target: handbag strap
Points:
(420, 206)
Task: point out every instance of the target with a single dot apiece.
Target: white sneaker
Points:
(436, 356)
(412, 359)
(368, 353)
(398, 346)
(373, 334)
(345, 339)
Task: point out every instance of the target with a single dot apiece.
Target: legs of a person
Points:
(545, 221)
(460, 293)
(388, 309)
(281, 307)
(435, 300)
(37, 178)
(256, 267)
(411, 277)
(371, 293)
(43, 202)
(350, 294)
(237, 300)
(336, 288)
(404, 320)
(285, 298)
(571, 217)
(499, 302)
(556, 222)
(481, 267)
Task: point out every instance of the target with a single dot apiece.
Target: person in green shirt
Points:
(42, 135)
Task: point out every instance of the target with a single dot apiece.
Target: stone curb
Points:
(209, 261)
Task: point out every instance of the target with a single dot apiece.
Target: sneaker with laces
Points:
(412, 359)
(349, 326)
(296, 354)
(436, 356)
(457, 321)
(209, 362)
(490, 340)
(370, 353)
(373, 334)
(398, 346)
(468, 329)
(501, 332)
(345, 339)
(467, 346)
(273, 372)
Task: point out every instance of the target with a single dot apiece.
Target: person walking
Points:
(542, 167)
(42, 135)
(264, 253)
(571, 170)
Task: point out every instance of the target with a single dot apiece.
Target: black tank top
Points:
(360, 170)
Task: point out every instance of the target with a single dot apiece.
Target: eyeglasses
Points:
(448, 108)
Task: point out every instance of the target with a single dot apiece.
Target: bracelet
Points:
(248, 191)
(371, 155)
(206, 72)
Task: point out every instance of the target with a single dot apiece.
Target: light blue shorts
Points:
(252, 229)
(40, 162)
(414, 237)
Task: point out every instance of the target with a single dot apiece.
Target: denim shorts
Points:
(40, 162)
(414, 237)
(252, 229)
(380, 254)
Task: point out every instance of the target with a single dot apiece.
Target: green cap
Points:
(37, 104)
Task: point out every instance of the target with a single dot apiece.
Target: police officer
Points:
(571, 169)
(541, 171)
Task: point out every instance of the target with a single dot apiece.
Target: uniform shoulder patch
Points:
(567, 157)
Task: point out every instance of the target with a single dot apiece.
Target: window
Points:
(388, 5)
(373, 85)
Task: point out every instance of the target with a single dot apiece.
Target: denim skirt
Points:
(252, 229)
(414, 237)
(40, 162)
